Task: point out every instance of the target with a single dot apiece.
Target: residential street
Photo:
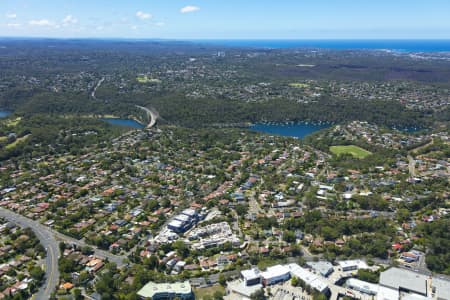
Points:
(48, 242)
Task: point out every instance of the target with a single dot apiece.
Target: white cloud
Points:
(14, 25)
(41, 22)
(134, 27)
(143, 16)
(189, 9)
(160, 24)
(69, 20)
(11, 16)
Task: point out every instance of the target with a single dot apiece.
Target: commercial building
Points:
(324, 268)
(441, 288)
(362, 286)
(404, 281)
(167, 291)
(239, 290)
(190, 213)
(309, 278)
(351, 265)
(183, 218)
(213, 235)
(251, 277)
(275, 274)
(183, 221)
(176, 226)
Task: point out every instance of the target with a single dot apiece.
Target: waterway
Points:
(124, 122)
(297, 130)
(4, 113)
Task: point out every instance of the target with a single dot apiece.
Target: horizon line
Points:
(224, 39)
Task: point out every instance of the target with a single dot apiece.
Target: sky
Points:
(226, 19)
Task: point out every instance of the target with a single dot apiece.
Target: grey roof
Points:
(240, 288)
(442, 288)
(323, 267)
(396, 278)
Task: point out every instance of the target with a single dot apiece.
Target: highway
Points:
(151, 114)
(49, 242)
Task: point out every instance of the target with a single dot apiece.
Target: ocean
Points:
(392, 45)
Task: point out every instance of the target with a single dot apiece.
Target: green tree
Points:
(403, 215)
(37, 273)
(218, 295)
(77, 294)
(258, 295)
(222, 280)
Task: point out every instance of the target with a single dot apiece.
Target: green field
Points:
(350, 149)
(146, 79)
(299, 85)
(17, 141)
(209, 291)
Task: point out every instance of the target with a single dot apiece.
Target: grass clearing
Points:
(146, 79)
(200, 293)
(17, 141)
(13, 122)
(356, 151)
(299, 85)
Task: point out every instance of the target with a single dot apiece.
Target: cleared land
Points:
(299, 85)
(13, 122)
(17, 141)
(350, 149)
(209, 291)
(146, 79)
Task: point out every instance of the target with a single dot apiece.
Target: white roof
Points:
(189, 212)
(180, 263)
(183, 218)
(385, 293)
(414, 297)
(240, 288)
(275, 271)
(309, 278)
(363, 285)
(325, 187)
(250, 274)
(360, 264)
(151, 289)
(396, 278)
(442, 287)
(176, 223)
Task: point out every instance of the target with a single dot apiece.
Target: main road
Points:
(151, 114)
(49, 242)
(411, 166)
(49, 239)
(119, 260)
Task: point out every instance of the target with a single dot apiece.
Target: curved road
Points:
(48, 241)
(96, 87)
(151, 114)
